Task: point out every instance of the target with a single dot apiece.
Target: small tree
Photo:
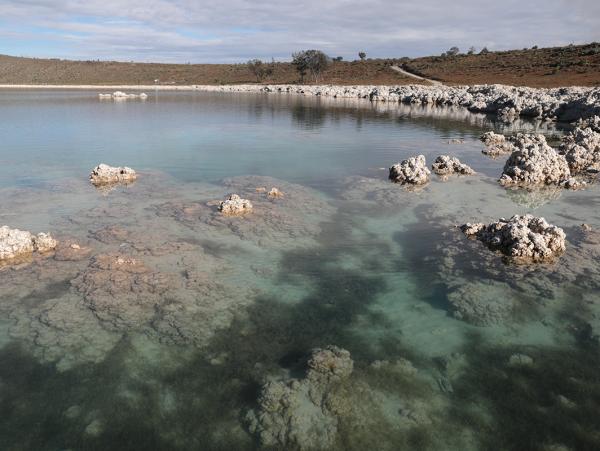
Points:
(259, 69)
(338, 58)
(452, 51)
(471, 51)
(484, 51)
(313, 61)
(362, 55)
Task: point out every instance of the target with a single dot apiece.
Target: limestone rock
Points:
(15, 243)
(108, 175)
(581, 147)
(535, 162)
(445, 165)
(522, 238)
(235, 205)
(274, 193)
(410, 171)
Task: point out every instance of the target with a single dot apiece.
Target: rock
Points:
(499, 144)
(412, 171)
(535, 162)
(581, 147)
(522, 238)
(235, 205)
(274, 193)
(15, 243)
(574, 184)
(445, 165)
(95, 428)
(297, 413)
(481, 303)
(108, 175)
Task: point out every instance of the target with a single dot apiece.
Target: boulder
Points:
(522, 238)
(534, 162)
(235, 205)
(445, 165)
(16, 243)
(410, 171)
(581, 147)
(108, 175)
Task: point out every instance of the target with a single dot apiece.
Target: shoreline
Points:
(567, 104)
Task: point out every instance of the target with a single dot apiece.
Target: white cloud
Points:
(235, 30)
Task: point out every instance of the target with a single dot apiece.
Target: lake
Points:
(162, 324)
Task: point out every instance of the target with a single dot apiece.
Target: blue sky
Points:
(236, 30)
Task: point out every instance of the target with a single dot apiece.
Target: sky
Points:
(230, 31)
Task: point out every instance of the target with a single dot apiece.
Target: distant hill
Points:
(547, 67)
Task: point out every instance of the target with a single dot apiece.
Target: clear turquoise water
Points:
(98, 360)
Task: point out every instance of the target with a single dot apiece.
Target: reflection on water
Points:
(173, 327)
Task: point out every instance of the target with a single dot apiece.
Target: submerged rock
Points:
(410, 171)
(235, 205)
(294, 413)
(581, 147)
(274, 193)
(522, 238)
(108, 175)
(16, 243)
(535, 162)
(445, 165)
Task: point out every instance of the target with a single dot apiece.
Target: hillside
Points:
(548, 67)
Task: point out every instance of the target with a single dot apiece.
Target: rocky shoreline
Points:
(567, 104)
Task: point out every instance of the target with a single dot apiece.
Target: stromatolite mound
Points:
(16, 243)
(104, 174)
(410, 171)
(235, 205)
(497, 144)
(121, 290)
(535, 163)
(446, 165)
(581, 147)
(522, 238)
(294, 413)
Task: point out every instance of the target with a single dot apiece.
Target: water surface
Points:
(171, 352)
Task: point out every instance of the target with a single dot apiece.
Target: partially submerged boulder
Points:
(497, 144)
(446, 165)
(16, 243)
(104, 174)
(534, 162)
(296, 413)
(522, 238)
(410, 171)
(235, 205)
(274, 193)
(581, 147)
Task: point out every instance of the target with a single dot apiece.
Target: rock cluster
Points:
(522, 238)
(235, 205)
(411, 171)
(581, 147)
(109, 175)
(534, 162)
(16, 243)
(445, 165)
(119, 95)
(295, 413)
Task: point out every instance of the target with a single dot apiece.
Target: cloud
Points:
(235, 30)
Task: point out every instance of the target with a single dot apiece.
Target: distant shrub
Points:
(362, 55)
(452, 51)
(484, 51)
(471, 51)
(313, 61)
(338, 58)
(259, 69)
(535, 47)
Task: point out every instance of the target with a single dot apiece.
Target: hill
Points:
(547, 67)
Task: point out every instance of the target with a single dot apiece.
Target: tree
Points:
(362, 55)
(338, 58)
(313, 61)
(471, 51)
(260, 69)
(484, 51)
(452, 51)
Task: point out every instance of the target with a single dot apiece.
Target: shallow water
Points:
(172, 354)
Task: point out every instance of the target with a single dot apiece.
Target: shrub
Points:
(362, 55)
(313, 61)
(260, 69)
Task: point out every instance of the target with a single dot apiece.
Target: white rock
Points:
(412, 171)
(106, 175)
(523, 238)
(15, 243)
(235, 205)
(445, 165)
